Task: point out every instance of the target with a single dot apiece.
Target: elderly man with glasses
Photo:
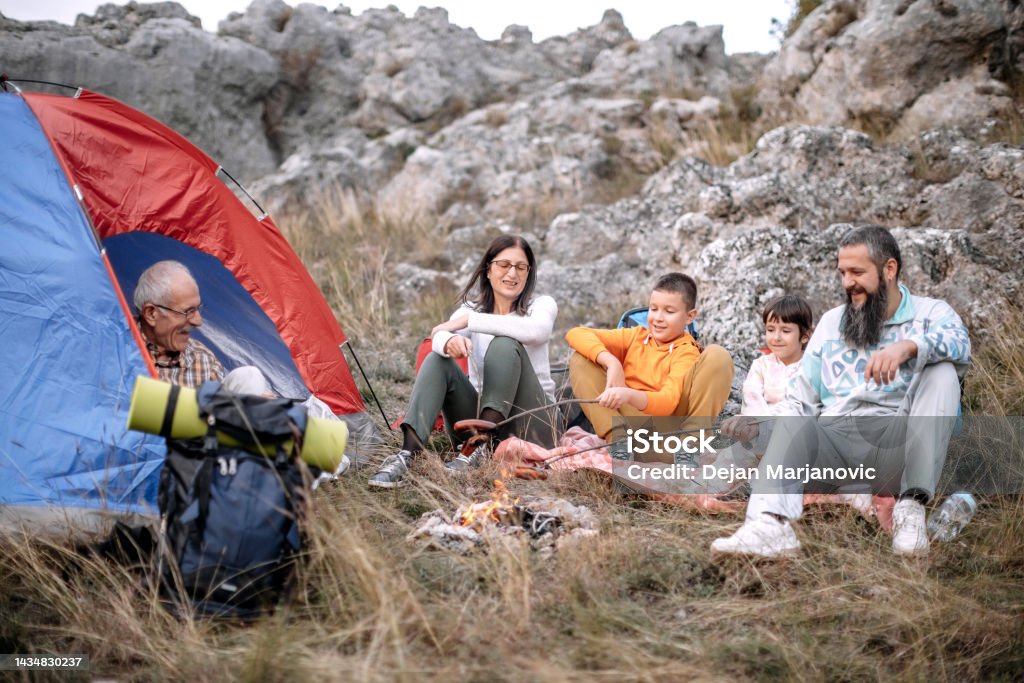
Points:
(169, 308)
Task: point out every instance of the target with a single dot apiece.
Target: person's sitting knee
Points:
(502, 347)
(434, 359)
(943, 376)
(716, 356)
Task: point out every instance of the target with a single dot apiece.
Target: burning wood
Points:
(498, 510)
(545, 522)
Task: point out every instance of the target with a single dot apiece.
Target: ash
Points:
(546, 523)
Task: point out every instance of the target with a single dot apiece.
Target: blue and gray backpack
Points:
(230, 532)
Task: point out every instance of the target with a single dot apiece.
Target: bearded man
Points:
(169, 308)
(877, 394)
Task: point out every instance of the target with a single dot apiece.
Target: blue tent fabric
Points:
(68, 358)
(234, 326)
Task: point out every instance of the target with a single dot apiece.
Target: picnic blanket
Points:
(696, 493)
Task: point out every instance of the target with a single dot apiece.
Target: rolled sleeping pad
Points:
(323, 443)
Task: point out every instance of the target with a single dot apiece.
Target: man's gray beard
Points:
(862, 327)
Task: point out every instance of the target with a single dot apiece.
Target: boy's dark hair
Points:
(790, 308)
(681, 284)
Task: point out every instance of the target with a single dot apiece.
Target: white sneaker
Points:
(909, 533)
(763, 536)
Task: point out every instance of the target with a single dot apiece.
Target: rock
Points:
(435, 530)
(686, 59)
(113, 25)
(578, 51)
(413, 282)
(761, 227)
(684, 110)
(888, 65)
(599, 146)
(516, 35)
(156, 58)
(546, 522)
(973, 99)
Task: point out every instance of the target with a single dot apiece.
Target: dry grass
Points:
(349, 245)
(996, 377)
(1011, 129)
(642, 601)
(725, 140)
(719, 141)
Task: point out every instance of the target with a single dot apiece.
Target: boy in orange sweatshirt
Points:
(658, 370)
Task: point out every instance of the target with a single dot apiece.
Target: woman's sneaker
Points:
(392, 471)
(460, 463)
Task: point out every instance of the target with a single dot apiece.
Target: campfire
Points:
(498, 510)
(545, 522)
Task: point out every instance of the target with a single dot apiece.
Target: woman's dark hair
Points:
(790, 308)
(484, 300)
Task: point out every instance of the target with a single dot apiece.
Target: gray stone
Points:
(156, 58)
(592, 143)
(896, 65)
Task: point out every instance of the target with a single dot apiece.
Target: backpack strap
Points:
(172, 404)
(204, 477)
(202, 486)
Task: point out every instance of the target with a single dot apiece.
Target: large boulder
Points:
(900, 65)
(761, 226)
(520, 127)
(157, 58)
(686, 60)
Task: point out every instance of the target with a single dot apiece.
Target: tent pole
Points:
(366, 379)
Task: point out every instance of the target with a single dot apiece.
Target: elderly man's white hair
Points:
(155, 283)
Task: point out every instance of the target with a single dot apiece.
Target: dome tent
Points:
(91, 193)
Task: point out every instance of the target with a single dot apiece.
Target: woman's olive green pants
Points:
(510, 386)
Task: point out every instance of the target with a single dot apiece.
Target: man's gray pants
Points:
(906, 450)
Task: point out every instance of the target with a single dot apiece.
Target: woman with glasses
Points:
(503, 329)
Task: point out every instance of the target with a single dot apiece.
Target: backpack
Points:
(230, 533)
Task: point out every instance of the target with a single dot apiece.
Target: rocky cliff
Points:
(621, 158)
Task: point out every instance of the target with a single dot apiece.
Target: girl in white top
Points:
(788, 322)
(504, 332)
(787, 329)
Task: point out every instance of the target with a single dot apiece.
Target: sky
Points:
(747, 23)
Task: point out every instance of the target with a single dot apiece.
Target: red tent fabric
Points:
(135, 174)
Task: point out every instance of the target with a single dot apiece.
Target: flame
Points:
(479, 514)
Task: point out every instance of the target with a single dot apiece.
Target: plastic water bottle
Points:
(952, 516)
